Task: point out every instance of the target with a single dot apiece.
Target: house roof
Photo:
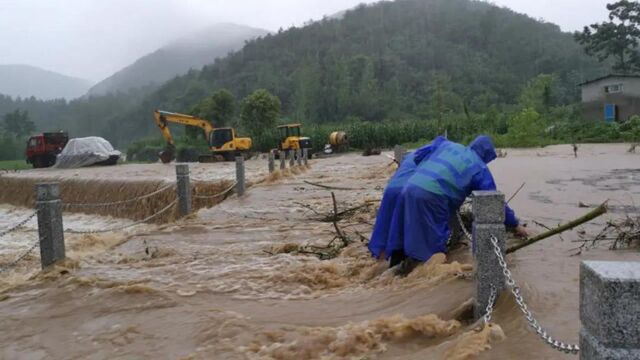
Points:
(610, 76)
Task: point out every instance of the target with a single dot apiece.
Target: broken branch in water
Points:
(330, 187)
(600, 210)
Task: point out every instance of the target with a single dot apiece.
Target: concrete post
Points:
(292, 158)
(488, 220)
(299, 155)
(272, 162)
(183, 188)
(305, 156)
(50, 228)
(399, 153)
(283, 159)
(240, 179)
(610, 310)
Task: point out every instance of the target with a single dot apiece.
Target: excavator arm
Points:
(163, 118)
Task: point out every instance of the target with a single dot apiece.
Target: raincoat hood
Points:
(483, 146)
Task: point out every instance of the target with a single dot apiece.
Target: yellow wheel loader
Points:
(223, 142)
(290, 138)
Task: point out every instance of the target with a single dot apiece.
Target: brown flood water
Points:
(209, 287)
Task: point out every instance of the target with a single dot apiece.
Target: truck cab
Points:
(42, 149)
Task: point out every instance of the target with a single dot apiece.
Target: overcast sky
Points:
(92, 39)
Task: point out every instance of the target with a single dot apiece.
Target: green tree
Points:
(618, 38)
(260, 111)
(219, 108)
(526, 129)
(537, 94)
(18, 123)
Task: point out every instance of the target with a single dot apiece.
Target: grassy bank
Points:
(14, 165)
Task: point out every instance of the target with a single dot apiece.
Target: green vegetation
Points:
(14, 131)
(409, 61)
(260, 112)
(14, 165)
(386, 73)
(617, 38)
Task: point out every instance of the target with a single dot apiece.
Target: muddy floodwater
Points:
(227, 283)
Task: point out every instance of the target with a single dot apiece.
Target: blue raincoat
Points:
(445, 176)
(380, 235)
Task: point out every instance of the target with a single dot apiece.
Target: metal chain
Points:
(19, 225)
(125, 226)
(114, 203)
(216, 195)
(533, 323)
(489, 310)
(464, 229)
(15, 262)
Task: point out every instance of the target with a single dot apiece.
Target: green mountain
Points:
(415, 60)
(26, 81)
(177, 58)
(390, 60)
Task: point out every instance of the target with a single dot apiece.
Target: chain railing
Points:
(15, 262)
(119, 228)
(18, 225)
(122, 202)
(533, 323)
(226, 191)
(490, 305)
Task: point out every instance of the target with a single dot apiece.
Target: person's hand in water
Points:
(522, 232)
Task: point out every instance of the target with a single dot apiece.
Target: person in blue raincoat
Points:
(445, 176)
(378, 245)
(379, 237)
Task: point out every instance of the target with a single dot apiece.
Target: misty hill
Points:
(177, 58)
(26, 81)
(390, 60)
(405, 60)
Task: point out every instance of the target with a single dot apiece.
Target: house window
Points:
(612, 89)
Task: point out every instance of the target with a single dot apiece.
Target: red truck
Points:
(42, 149)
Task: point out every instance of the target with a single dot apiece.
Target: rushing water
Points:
(223, 285)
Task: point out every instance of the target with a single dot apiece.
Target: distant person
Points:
(575, 150)
(445, 176)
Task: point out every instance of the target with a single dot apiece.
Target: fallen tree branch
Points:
(516, 193)
(600, 210)
(331, 187)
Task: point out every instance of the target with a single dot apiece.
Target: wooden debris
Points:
(600, 210)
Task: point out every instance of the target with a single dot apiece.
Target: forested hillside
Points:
(393, 60)
(192, 52)
(413, 60)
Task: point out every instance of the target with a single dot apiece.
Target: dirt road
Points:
(221, 285)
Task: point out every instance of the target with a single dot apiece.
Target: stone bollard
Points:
(399, 153)
(299, 157)
(610, 310)
(488, 220)
(240, 179)
(305, 156)
(183, 188)
(50, 228)
(272, 162)
(292, 158)
(283, 159)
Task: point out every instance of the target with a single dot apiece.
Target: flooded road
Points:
(225, 284)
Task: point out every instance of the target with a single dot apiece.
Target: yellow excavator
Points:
(223, 142)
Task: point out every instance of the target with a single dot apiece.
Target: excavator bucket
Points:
(168, 154)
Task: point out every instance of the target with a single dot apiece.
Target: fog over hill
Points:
(26, 81)
(176, 58)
